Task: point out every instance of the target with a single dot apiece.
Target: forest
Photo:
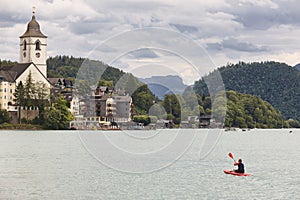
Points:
(274, 82)
(248, 111)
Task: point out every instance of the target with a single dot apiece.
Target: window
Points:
(10, 90)
(24, 45)
(4, 89)
(37, 45)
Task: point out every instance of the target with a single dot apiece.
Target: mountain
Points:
(297, 66)
(274, 82)
(162, 85)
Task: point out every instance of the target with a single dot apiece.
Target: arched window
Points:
(24, 45)
(37, 45)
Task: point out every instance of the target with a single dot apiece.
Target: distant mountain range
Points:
(297, 66)
(162, 85)
(274, 82)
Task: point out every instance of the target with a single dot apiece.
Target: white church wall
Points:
(31, 54)
(36, 76)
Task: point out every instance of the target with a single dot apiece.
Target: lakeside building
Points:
(103, 108)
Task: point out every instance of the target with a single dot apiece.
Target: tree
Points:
(19, 98)
(29, 92)
(4, 117)
(172, 104)
(142, 99)
(41, 99)
(58, 116)
(103, 82)
(145, 119)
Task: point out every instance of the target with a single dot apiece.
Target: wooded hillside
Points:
(274, 82)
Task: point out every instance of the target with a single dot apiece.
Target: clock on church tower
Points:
(33, 46)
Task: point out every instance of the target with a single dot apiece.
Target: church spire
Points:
(33, 45)
(33, 28)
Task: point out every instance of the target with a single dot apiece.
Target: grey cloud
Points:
(236, 45)
(89, 26)
(8, 19)
(184, 28)
(106, 48)
(214, 46)
(262, 17)
(143, 53)
(84, 27)
(129, 6)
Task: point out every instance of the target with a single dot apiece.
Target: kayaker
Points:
(240, 165)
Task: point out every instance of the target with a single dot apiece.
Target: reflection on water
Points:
(56, 165)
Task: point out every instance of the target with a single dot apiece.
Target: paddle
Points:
(231, 156)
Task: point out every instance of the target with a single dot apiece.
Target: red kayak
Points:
(235, 173)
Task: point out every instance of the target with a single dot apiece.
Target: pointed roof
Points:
(33, 29)
(8, 76)
(15, 70)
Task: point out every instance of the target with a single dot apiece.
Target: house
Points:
(103, 107)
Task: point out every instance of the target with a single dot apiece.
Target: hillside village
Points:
(101, 107)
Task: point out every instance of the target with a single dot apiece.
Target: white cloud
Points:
(231, 30)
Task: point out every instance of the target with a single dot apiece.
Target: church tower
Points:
(33, 46)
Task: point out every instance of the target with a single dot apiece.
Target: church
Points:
(33, 55)
(116, 107)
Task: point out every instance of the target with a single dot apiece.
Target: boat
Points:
(235, 173)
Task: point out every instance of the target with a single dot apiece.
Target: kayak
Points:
(235, 173)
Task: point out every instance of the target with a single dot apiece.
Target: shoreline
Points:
(39, 127)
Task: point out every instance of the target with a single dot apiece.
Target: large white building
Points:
(33, 55)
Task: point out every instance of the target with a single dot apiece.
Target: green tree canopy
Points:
(58, 116)
(244, 110)
(4, 117)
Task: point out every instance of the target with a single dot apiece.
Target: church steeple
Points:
(33, 28)
(33, 45)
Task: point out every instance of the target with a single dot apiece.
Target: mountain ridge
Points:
(162, 85)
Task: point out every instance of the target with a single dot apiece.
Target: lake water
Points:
(160, 164)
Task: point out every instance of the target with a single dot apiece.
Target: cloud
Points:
(263, 15)
(234, 44)
(143, 53)
(229, 29)
(185, 28)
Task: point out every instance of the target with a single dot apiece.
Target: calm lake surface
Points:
(160, 164)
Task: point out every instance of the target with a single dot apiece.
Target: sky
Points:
(187, 38)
